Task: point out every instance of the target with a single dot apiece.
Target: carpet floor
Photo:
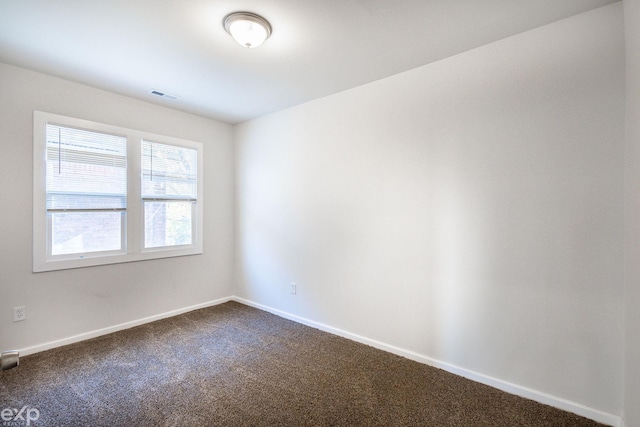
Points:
(233, 365)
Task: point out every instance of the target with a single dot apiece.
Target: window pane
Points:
(80, 232)
(167, 223)
(169, 171)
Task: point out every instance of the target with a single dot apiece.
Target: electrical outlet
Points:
(293, 288)
(19, 313)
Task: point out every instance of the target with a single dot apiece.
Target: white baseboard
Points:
(92, 334)
(537, 396)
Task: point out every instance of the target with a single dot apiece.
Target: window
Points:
(105, 194)
(86, 192)
(169, 193)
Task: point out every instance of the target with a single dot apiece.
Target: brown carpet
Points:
(233, 365)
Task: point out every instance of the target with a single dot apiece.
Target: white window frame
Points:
(133, 249)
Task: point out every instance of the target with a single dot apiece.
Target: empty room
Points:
(318, 213)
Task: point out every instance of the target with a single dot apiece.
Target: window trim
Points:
(134, 218)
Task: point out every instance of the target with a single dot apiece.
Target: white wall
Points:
(469, 210)
(632, 215)
(65, 303)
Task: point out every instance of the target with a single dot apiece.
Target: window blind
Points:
(169, 172)
(86, 171)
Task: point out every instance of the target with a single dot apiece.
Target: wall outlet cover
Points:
(19, 313)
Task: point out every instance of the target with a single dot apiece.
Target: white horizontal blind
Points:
(169, 172)
(85, 170)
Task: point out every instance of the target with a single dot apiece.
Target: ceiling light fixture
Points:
(248, 29)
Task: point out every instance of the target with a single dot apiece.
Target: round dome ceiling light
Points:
(246, 28)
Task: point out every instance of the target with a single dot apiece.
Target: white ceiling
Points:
(318, 47)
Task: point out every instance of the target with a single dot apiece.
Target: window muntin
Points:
(80, 223)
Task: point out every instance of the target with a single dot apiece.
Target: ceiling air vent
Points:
(162, 94)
